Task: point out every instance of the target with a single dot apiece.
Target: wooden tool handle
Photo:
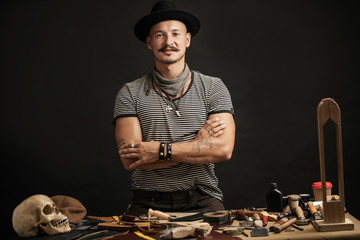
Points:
(299, 212)
(239, 214)
(278, 223)
(312, 208)
(158, 214)
(183, 232)
(285, 225)
(256, 216)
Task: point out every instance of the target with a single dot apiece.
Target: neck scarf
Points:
(173, 86)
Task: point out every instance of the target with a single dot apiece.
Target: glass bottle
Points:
(274, 199)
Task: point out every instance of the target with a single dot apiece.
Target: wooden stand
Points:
(333, 210)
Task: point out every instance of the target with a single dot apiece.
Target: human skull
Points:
(38, 212)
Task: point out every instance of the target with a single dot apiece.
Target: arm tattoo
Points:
(196, 146)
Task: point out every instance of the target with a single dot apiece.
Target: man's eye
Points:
(159, 35)
(176, 34)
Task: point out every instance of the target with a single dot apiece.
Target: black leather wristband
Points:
(162, 151)
(168, 151)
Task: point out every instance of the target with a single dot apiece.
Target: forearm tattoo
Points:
(196, 146)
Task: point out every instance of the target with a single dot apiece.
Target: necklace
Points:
(171, 88)
(168, 99)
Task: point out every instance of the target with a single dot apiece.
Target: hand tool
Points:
(297, 227)
(301, 220)
(194, 217)
(257, 221)
(264, 219)
(245, 214)
(278, 223)
(286, 213)
(239, 214)
(186, 229)
(276, 228)
(259, 230)
(233, 230)
(314, 213)
(159, 214)
(246, 224)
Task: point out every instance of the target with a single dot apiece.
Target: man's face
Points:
(168, 41)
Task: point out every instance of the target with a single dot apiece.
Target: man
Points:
(173, 124)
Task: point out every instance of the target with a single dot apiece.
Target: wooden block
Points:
(335, 212)
(321, 226)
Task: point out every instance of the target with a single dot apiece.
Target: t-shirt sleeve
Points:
(220, 99)
(124, 104)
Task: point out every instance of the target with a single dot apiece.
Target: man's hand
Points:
(212, 128)
(142, 153)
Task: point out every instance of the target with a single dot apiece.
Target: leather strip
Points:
(162, 151)
(169, 148)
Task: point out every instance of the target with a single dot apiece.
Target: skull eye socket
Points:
(48, 209)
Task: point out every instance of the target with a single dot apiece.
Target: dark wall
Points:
(64, 61)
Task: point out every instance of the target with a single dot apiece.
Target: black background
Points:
(64, 61)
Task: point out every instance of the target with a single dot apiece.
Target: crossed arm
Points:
(206, 147)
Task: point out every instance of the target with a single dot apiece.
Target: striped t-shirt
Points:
(205, 96)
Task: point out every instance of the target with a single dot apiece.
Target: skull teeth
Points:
(60, 222)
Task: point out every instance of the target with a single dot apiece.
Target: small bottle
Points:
(274, 199)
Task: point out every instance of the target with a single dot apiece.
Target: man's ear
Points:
(148, 43)
(188, 39)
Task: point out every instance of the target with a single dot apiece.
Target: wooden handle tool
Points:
(314, 213)
(279, 228)
(158, 214)
(301, 220)
(257, 221)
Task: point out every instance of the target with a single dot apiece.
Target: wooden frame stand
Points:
(333, 209)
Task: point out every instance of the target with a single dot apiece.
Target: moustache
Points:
(163, 49)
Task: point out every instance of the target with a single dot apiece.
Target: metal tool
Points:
(301, 220)
(258, 229)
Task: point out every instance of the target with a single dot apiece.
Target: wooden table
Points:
(308, 233)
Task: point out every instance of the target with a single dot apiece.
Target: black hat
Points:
(162, 11)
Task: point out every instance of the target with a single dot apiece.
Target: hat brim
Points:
(143, 26)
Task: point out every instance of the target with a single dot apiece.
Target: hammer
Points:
(316, 215)
(301, 220)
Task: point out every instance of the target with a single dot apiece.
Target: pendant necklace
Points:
(168, 100)
(171, 88)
